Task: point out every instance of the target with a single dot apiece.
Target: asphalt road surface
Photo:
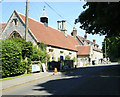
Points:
(99, 80)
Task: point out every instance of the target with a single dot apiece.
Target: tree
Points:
(100, 18)
(112, 47)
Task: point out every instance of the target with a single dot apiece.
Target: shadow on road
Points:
(85, 81)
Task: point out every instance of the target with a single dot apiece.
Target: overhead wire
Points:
(57, 12)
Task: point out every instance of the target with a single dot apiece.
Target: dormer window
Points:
(15, 21)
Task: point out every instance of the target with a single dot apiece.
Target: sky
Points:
(60, 10)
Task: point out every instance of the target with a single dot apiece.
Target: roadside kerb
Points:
(23, 80)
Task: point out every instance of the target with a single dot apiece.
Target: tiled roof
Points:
(97, 49)
(2, 26)
(83, 50)
(80, 39)
(50, 36)
(88, 41)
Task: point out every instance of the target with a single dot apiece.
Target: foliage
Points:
(17, 55)
(112, 47)
(39, 54)
(58, 58)
(67, 57)
(42, 46)
(12, 63)
(100, 18)
(36, 54)
(74, 59)
(26, 47)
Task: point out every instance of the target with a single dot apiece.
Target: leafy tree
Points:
(100, 18)
(112, 47)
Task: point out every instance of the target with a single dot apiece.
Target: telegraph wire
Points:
(57, 13)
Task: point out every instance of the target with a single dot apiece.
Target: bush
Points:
(15, 51)
(67, 57)
(11, 58)
(39, 55)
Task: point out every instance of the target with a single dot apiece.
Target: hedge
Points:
(12, 63)
(14, 54)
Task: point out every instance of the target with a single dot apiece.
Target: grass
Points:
(8, 78)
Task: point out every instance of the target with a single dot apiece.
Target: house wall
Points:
(97, 55)
(20, 28)
(82, 59)
(57, 52)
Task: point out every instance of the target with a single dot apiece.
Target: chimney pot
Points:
(59, 25)
(93, 40)
(63, 24)
(74, 33)
(85, 36)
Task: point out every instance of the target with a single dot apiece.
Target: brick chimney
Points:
(59, 25)
(74, 32)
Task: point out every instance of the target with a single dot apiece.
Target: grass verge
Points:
(8, 78)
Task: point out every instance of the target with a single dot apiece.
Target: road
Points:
(98, 80)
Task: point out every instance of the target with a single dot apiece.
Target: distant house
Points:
(59, 43)
(88, 51)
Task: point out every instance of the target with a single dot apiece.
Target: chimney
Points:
(63, 28)
(85, 36)
(59, 25)
(74, 33)
(94, 41)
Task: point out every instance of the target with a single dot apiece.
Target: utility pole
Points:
(26, 28)
(26, 20)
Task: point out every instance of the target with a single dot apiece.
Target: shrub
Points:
(67, 57)
(11, 58)
(39, 55)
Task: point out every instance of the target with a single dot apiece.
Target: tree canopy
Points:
(100, 18)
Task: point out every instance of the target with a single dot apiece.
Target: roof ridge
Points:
(40, 22)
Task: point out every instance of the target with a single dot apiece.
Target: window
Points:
(70, 53)
(15, 34)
